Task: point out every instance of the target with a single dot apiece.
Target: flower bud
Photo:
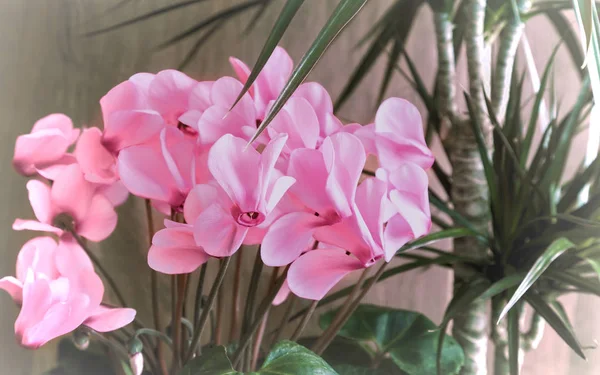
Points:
(135, 346)
(136, 362)
(81, 339)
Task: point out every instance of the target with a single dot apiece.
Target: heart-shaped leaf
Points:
(408, 337)
(289, 358)
(213, 361)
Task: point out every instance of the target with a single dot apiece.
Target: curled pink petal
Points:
(174, 251)
(109, 319)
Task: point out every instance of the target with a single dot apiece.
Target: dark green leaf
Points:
(437, 202)
(229, 12)
(501, 286)
(342, 15)
(283, 21)
(213, 361)
(565, 29)
(144, 17)
(437, 236)
(577, 184)
(585, 284)
(341, 351)
(513, 341)
(288, 358)
(344, 369)
(393, 60)
(556, 321)
(409, 337)
(556, 249)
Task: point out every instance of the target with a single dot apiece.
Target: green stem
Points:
(199, 325)
(304, 321)
(235, 310)
(199, 291)
(262, 310)
(286, 317)
(176, 326)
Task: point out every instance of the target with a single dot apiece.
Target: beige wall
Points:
(46, 65)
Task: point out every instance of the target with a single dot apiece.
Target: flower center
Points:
(250, 219)
(187, 130)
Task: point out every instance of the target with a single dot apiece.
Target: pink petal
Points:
(410, 197)
(242, 72)
(70, 258)
(20, 224)
(288, 237)
(236, 169)
(124, 96)
(345, 156)
(396, 234)
(71, 193)
(144, 172)
(217, 121)
(225, 91)
(13, 287)
(178, 152)
(52, 169)
(370, 202)
(37, 254)
(282, 294)
(40, 147)
(308, 168)
(199, 198)
(277, 190)
(100, 221)
(199, 99)
(169, 93)
(41, 203)
(174, 251)
(314, 274)
(318, 98)
(96, 162)
(217, 232)
(271, 80)
(131, 128)
(37, 299)
(58, 121)
(109, 319)
(116, 193)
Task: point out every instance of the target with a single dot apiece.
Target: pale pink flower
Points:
(325, 186)
(399, 135)
(97, 163)
(93, 214)
(163, 170)
(58, 291)
(249, 189)
(47, 143)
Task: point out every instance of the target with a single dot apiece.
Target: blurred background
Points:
(47, 65)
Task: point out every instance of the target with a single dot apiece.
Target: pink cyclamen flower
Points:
(92, 213)
(97, 163)
(248, 189)
(325, 186)
(399, 135)
(58, 291)
(48, 142)
(357, 241)
(162, 170)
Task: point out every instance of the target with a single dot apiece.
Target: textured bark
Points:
(470, 194)
(446, 74)
(507, 50)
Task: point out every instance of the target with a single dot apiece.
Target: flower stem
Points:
(258, 340)
(180, 281)
(235, 310)
(262, 310)
(154, 292)
(304, 321)
(348, 308)
(199, 325)
(199, 290)
(286, 316)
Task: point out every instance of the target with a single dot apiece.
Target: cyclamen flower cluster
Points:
(298, 190)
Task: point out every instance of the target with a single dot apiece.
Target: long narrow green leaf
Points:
(144, 17)
(342, 15)
(483, 151)
(283, 21)
(437, 202)
(535, 111)
(562, 327)
(564, 28)
(513, 341)
(556, 249)
(502, 285)
(577, 184)
(434, 237)
(584, 284)
(229, 12)
(393, 60)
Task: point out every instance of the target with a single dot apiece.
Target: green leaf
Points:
(344, 369)
(341, 351)
(564, 28)
(213, 361)
(437, 236)
(513, 341)
(409, 337)
(144, 17)
(342, 15)
(283, 21)
(289, 358)
(501, 286)
(556, 249)
(556, 321)
(584, 284)
(437, 202)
